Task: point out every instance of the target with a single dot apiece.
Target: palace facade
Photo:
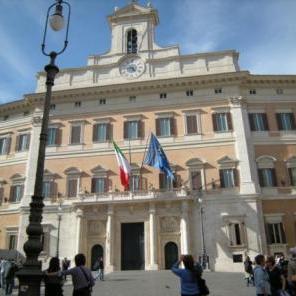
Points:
(229, 136)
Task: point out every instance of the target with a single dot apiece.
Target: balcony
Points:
(139, 196)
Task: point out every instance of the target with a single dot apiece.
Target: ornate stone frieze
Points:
(169, 224)
(96, 227)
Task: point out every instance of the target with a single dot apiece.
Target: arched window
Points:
(132, 41)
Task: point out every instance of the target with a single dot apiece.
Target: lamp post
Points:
(59, 226)
(204, 256)
(30, 275)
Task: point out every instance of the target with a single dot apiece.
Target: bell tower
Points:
(133, 28)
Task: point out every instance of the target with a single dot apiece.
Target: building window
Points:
(165, 127)
(237, 258)
(222, 122)
(22, 142)
(52, 136)
(276, 233)
(48, 189)
(228, 178)
(72, 187)
(12, 241)
(77, 104)
(76, 134)
(101, 132)
(196, 182)
(132, 99)
(267, 177)
(279, 91)
(258, 121)
(236, 233)
(285, 121)
(191, 124)
(167, 184)
(218, 90)
(189, 93)
(292, 176)
(132, 41)
(252, 91)
(163, 96)
(16, 193)
(4, 145)
(99, 185)
(52, 106)
(132, 129)
(135, 183)
(102, 102)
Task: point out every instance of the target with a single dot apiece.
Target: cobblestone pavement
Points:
(164, 283)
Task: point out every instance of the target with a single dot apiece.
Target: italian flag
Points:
(124, 166)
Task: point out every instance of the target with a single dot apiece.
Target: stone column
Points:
(153, 238)
(185, 244)
(244, 147)
(79, 215)
(109, 240)
(32, 158)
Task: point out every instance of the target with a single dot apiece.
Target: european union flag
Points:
(156, 157)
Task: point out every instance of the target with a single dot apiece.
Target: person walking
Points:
(292, 271)
(261, 277)
(101, 268)
(188, 276)
(2, 276)
(82, 278)
(276, 277)
(10, 270)
(65, 265)
(53, 284)
(249, 275)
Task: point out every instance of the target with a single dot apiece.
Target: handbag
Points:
(203, 288)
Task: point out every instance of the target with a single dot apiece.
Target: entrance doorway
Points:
(132, 246)
(96, 252)
(170, 254)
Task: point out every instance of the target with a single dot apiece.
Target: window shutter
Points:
(143, 183)
(7, 145)
(265, 120)
(12, 194)
(75, 134)
(58, 136)
(17, 143)
(109, 131)
(229, 121)
(261, 179)
(177, 181)
(162, 181)
(274, 179)
(141, 133)
(214, 119)
(54, 189)
(173, 126)
(93, 185)
(191, 124)
(290, 176)
(28, 141)
(72, 188)
(106, 184)
(157, 122)
(236, 178)
(1, 195)
(22, 191)
(95, 132)
(293, 121)
(279, 121)
(267, 233)
(283, 234)
(125, 131)
(222, 184)
(251, 121)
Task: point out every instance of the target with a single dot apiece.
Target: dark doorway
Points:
(96, 252)
(132, 246)
(171, 254)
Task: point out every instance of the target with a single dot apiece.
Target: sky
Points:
(263, 31)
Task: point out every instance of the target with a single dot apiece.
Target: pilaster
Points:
(110, 239)
(244, 147)
(184, 228)
(79, 217)
(153, 237)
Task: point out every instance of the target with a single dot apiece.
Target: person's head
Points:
(260, 260)
(270, 261)
(54, 264)
(248, 258)
(65, 258)
(80, 259)
(188, 262)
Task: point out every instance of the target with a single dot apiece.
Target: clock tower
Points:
(133, 29)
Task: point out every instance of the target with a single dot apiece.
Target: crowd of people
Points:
(272, 276)
(8, 268)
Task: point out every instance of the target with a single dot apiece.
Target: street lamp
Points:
(30, 275)
(59, 226)
(204, 256)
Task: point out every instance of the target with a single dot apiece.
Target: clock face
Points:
(132, 67)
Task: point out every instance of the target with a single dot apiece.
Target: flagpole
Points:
(141, 178)
(130, 161)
